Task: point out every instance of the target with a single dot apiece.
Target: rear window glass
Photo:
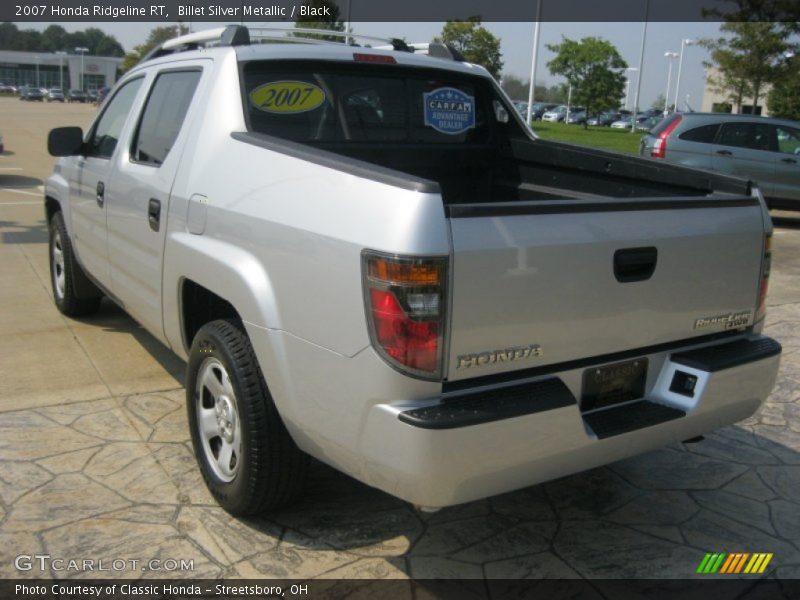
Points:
(704, 135)
(325, 102)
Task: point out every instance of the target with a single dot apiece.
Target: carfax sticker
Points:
(287, 97)
(449, 110)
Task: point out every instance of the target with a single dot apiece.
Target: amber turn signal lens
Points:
(404, 273)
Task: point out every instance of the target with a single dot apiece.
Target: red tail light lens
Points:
(405, 300)
(659, 149)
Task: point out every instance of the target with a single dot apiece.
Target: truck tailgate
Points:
(539, 283)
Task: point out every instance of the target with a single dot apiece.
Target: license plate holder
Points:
(613, 384)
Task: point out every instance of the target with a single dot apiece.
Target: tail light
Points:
(405, 303)
(766, 265)
(659, 149)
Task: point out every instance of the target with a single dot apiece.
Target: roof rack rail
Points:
(239, 35)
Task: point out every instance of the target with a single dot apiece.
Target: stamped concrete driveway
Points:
(95, 461)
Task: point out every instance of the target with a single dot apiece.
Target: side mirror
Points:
(65, 141)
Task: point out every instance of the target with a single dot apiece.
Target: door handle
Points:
(725, 152)
(792, 161)
(154, 213)
(635, 264)
(101, 193)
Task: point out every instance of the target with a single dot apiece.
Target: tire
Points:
(247, 458)
(64, 271)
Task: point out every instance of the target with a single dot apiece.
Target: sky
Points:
(517, 43)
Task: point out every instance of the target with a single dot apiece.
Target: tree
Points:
(56, 38)
(784, 98)
(594, 69)
(158, 35)
(476, 43)
(748, 57)
(328, 19)
(659, 103)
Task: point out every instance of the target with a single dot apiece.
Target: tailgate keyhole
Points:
(635, 264)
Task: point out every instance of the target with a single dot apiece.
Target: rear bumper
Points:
(478, 443)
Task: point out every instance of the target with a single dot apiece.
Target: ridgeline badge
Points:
(489, 357)
(449, 110)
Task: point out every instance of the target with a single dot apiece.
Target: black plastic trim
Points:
(475, 408)
(728, 356)
(630, 417)
(353, 166)
(499, 378)
(551, 207)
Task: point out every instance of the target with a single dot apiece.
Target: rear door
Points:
(787, 164)
(539, 283)
(91, 178)
(138, 202)
(745, 149)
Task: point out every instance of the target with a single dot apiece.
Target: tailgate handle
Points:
(635, 264)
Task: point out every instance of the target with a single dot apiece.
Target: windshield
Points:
(317, 101)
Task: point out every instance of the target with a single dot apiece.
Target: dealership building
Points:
(65, 70)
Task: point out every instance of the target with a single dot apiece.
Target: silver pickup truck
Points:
(365, 256)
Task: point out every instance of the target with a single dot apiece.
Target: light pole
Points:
(669, 56)
(628, 84)
(684, 43)
(82, 51)
(61, 56)
(533, 60)
(569, 102)
(641, 67)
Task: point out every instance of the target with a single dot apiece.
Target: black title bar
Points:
(170, 11)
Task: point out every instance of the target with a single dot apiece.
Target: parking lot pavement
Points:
(95, 460)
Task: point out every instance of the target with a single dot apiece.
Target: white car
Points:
(556, 115)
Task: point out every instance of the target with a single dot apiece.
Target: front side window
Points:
(755, 136)
(105, 135)
(163, 115)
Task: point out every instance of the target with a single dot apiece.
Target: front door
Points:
(91, 179)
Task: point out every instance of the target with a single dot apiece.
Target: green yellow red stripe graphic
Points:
(733, 563)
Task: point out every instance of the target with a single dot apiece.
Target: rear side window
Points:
(755, 136)
(704, 135)
(335, 102)
(163, 115)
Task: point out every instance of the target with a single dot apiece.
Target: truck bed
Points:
(523, 169)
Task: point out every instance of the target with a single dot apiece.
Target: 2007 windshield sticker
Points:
(287, 97)
(449, 110)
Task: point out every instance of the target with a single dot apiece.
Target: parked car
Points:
(91, 96)
(444, 326)
(604, 119)
(648, 123)
(766, 150)
(522, 107)
(626, 122)
(76, 96)
(539, 108)
(55, 95)
(31, 94)
(576, 116)
(555, 115)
